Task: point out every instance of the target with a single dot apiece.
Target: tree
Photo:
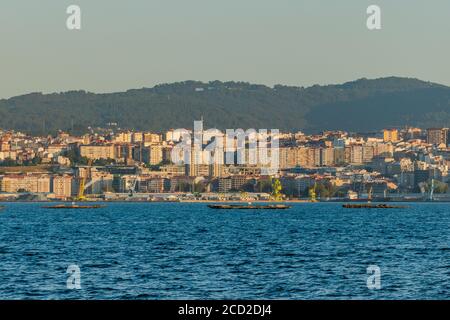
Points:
(276, 190)
(225, 104)
(326, 189)
(8, 162)
(439, 187)
(199, 187)
(75, 157)
(103, 162)
(264, 185)
(183, 186)
(247, 187)
(36, 161)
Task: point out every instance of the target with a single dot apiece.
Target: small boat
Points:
(249, 206)
(372, 206)
(74, 206)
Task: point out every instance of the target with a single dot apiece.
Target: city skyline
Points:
(137, 165)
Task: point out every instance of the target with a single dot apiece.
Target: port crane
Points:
(423, 190)
(431, 190)
(369, 194)
(131, 186)
(83, 185)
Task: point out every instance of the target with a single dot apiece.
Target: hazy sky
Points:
(140, 43)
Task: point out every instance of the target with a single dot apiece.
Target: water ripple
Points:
(187, 251)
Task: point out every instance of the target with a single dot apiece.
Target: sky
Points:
(141, 43)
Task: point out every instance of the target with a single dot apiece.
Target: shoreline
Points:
(218, 201)
(162, 201)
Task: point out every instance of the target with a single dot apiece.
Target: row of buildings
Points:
(389, 162)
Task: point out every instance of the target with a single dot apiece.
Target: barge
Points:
(74, 206)
(249, 206)
(372, 206)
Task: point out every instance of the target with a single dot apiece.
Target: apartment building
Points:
(96, 152)
(63, 186)
(36, 183)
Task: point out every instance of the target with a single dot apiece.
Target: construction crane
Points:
(82, 187)
(432, 190)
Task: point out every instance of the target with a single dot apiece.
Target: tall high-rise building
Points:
(62, 186)
(305, 157)
(287, 157)
(156, 154)
(327, 157)
(356, 155)
(339, 155)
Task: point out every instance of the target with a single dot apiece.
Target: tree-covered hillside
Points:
(362, 105)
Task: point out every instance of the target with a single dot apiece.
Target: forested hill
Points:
(362, 106)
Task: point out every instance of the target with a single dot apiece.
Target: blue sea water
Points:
(188, 251)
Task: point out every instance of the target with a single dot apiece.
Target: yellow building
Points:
(390, 135)
(156, 154)
(124, 137)
(150, 138)
(98, 152)
(174, 170)
(137, 137)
